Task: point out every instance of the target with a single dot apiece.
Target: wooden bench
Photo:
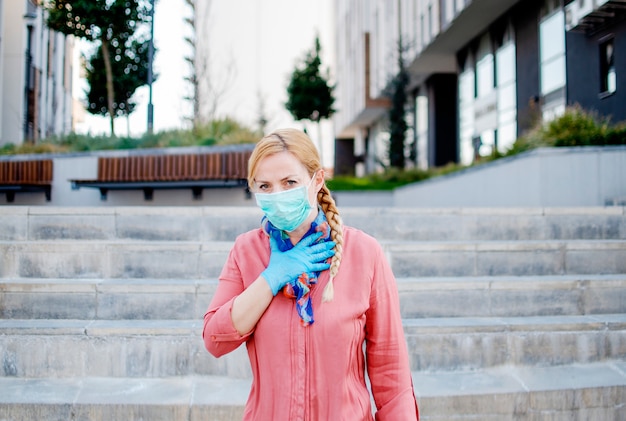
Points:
(195, 171)
(26, 176)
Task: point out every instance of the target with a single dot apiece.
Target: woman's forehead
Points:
(279, 165)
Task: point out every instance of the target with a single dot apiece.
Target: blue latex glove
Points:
(286, 266)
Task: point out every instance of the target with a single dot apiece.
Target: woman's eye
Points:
(292, 183)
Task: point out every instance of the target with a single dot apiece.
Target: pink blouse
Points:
(318, 372)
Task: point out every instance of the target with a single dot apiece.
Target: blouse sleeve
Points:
(387, 356)
(219, 333)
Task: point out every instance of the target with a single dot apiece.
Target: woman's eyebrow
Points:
(285, 178)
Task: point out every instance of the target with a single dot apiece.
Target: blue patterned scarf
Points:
(301, 287)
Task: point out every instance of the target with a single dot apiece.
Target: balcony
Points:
(439, 55)
(590, 16)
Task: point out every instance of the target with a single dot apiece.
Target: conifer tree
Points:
(310, 96)
(397, 113)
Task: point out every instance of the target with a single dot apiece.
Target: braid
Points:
(329, 207)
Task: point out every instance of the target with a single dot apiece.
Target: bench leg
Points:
(197, 193)
(148, 193)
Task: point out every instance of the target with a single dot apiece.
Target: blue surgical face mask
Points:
(287, 209)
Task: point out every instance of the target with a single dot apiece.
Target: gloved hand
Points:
(286, 266)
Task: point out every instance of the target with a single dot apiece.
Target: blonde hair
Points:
(300, 145)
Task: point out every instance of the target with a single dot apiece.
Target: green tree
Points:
(397, 113)
(310, 96)
(104, 21)
(130, 71)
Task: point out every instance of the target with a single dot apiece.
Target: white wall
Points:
(555, 177)
(545, 177)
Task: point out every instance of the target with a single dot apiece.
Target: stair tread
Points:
(511, 379)
(101, 243)
(228, 391)
(399, 279)
(186, 327)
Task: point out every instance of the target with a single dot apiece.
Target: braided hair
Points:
(300, 145)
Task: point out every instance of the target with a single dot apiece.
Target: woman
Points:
(303, 319)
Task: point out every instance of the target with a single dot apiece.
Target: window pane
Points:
(506, 98)
(552, 37)
(466, 86)
(611, 81)
(552, 75)
(488, 142)
(607, 67)
(484, 72)
(507, 134)
(467, 151)
(505, 64)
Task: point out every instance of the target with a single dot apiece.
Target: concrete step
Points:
(512, 296)
(105, 299)
(187, 299)
(20, 223)
(160, 348)
(475, 343)
(506, 258)
(593, 391)
(198, 260)
(111, 348)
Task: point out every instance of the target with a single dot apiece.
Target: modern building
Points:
(482, 72)
(36, 68)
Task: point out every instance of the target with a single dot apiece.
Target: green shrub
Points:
(389, 179)
(219, 132)
(576, 127)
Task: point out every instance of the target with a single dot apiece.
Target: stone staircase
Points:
(509, 314)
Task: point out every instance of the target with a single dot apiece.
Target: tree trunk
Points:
(109, 76)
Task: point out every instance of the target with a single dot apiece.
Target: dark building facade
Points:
(485, 71)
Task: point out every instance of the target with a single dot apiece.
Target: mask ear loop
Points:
(312, 180)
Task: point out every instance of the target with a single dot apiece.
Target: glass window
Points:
(505, 64)
(552, 52)
(466, 114)
(506, 97)
(487, 143)
(484, 74)
(421, 128)
(552, 71)
(484, 68)
(608, 78)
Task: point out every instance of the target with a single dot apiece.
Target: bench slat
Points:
(180, 167)
(26, 172)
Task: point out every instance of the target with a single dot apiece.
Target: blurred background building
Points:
(481, 72)
(36, 70)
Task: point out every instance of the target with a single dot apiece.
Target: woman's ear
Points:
(320, 178)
